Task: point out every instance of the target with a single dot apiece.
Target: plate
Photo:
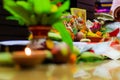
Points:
(14, 42)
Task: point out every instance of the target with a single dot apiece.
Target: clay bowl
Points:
(36, 58)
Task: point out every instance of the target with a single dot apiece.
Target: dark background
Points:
(10, 30)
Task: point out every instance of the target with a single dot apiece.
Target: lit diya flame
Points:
(27, 51)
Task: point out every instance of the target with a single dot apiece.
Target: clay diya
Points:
(28, 58)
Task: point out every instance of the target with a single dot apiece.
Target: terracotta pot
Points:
(39, 31)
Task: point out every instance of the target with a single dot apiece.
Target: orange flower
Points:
(99, 33)
(83, 31)
(73, 58)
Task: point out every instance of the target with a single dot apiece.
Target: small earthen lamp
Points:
(28, 58)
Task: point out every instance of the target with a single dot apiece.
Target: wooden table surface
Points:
(105, 70)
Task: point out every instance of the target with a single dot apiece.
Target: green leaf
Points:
(25, 5)
(64, 6)
(30, 1)
(33, 19)
(90, 57)
(42, 6)
(54, 17)
(64, 33)
(15, 18)
(33, 12)
(54, 36)
(56, 1)
(17, 11)
(6, 58)
(44, 19)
